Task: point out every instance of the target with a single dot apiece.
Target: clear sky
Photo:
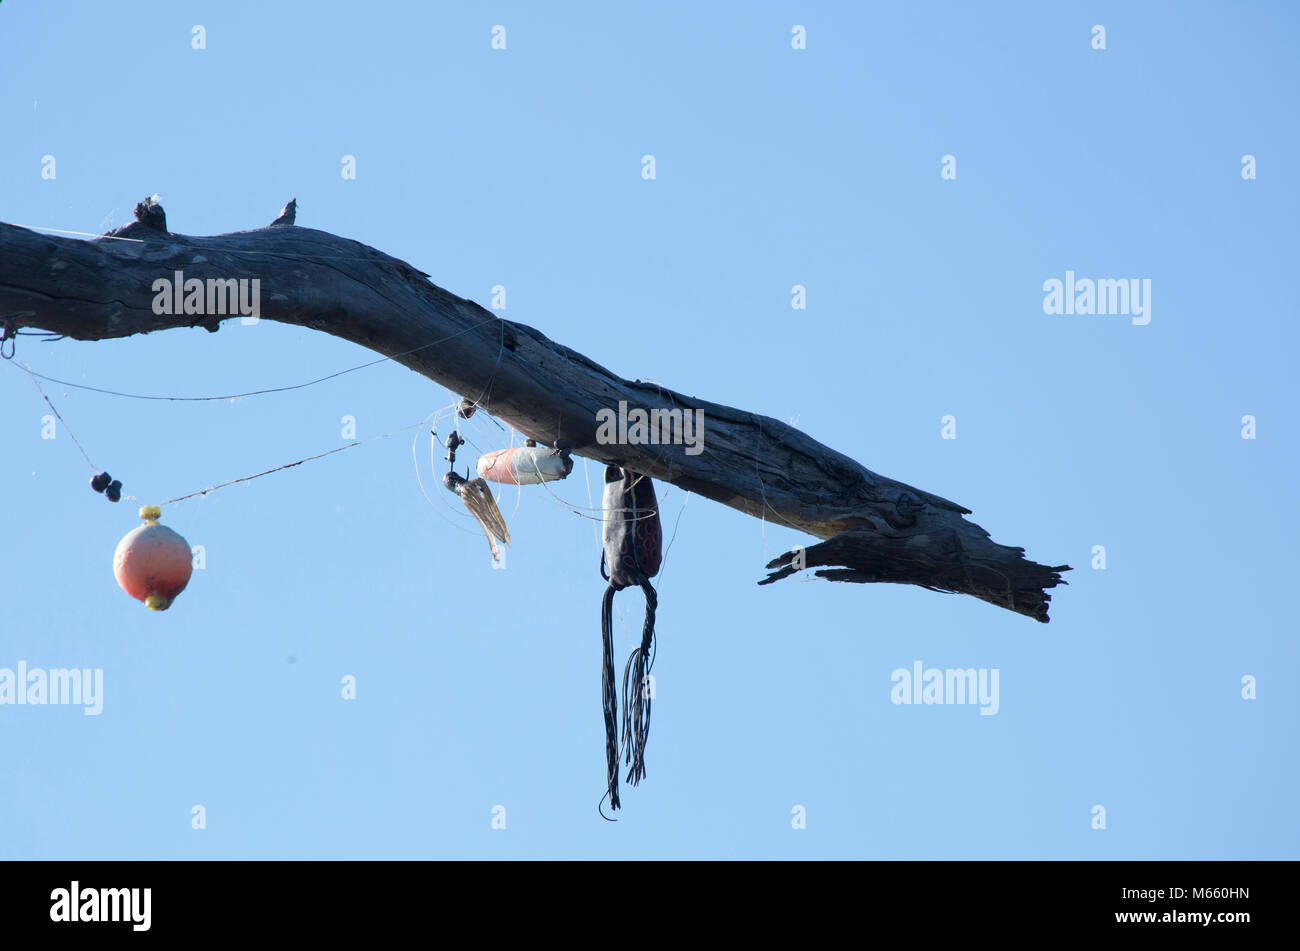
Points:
(775, 167)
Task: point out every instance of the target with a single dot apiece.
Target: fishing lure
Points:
(633, 552)
(477, 498)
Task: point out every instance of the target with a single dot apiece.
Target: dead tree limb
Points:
(878, 529)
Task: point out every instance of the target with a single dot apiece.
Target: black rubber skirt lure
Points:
(633, 553)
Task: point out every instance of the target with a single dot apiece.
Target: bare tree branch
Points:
(878, 529)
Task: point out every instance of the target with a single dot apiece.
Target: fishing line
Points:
(586, 477)
(577, 510)
(276, 389)
(281, 389)
(86, 234)
(204, 492)
(501, 348)
(56, 413)
(433, 465)
(762, 518)
(664, 567)
(290, 465)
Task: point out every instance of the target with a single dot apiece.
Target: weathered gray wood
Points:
(879, 529)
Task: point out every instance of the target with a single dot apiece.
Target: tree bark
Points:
(878, 529)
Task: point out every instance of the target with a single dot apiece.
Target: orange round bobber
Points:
(152, 563)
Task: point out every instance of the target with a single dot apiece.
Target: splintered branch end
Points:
(995, 573)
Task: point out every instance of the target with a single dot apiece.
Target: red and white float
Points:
(524, 465)
(152, 563)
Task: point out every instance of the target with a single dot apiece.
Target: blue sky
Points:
(479, 688)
